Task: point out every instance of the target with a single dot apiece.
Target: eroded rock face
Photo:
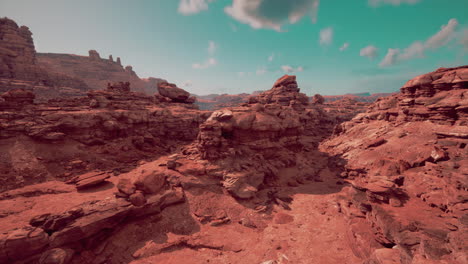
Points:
(439, 97)
(17, 53)
(19, 68)
(16, 99)
(250, 143)
(407, 164)
(174, 93)
(116, 123)
(54, 237)
(285, 92)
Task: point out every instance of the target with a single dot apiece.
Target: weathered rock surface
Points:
(407, 164)
(19, 67)
(59, 234)
(95, 71)
(174, 93)
(246, 146)
(111, 129)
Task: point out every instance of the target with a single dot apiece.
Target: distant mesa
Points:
(94, 55)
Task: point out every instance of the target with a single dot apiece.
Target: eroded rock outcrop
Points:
(174, 93)
(115, 122)
(19, 68)
(56, 234)
(407, 164)
(248, 145)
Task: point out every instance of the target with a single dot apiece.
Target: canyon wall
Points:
(407, 165)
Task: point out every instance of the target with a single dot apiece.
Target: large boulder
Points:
(173, 92)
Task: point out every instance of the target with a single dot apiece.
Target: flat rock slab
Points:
(89, 179)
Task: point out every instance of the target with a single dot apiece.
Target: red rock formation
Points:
(344, 109)
(248, 145)
(16, 99)
(318, 99)
(406, 161)
(19, 68)
(93, 70)
(115, 123)
(175, 93)
(364, 98)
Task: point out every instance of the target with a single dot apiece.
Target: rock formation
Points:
(362, 97)
(115, 123)
(16, 99)
(19, 68)
(248, 145)
(318, 99)
(93, 70)
(174, 93)
(119, 176)
(406, 161)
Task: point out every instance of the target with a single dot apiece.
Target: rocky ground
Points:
(266, 182)
(407, 164)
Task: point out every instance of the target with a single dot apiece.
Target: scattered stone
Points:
(138, 198)
(89, 179)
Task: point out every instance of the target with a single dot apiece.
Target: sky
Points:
(236, 46)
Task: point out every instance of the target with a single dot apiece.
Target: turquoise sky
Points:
(253, 42)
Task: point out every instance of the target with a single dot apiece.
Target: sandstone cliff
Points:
(407, 164)
(19, 67)
(95, 71)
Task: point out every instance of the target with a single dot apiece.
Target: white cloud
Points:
(187, 83)
(418, 48)
(446, 33)
(326, 36)
(271, 57)
(210, 62)
(272, 14)
(189, 7)
(392, 2)
(289, 69)
(464, 39)
(415, 50)
(390, 58)
(369, 51)
(261, 71)
(212, 47)
(241, 74)
(344, 47)
(207, 64)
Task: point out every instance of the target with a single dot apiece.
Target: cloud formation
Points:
(326, 36)
(271, 57)
(392, 2)
(272, 14)
(464, 39)
(390, 58)
(210, 62)
(205, 65)
(212, 47)
(190, 7)
(261, 71)
(289, 69)
(344, 47)
(418, 48)
(370, 51)
(187, 83)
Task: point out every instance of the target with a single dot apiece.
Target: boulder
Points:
(173, 92)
